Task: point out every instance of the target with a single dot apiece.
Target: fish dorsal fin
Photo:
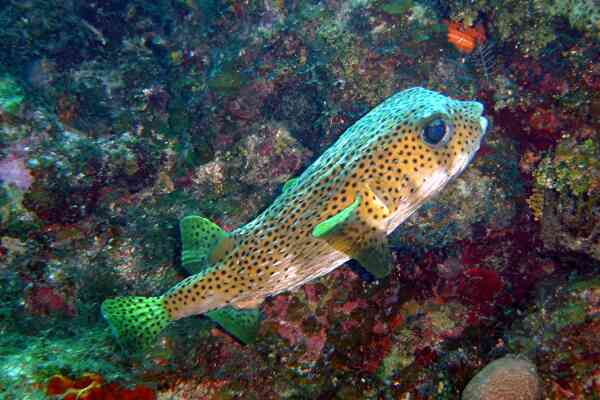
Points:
(203, 243)
(289, 184)
(354, 232)
(242, 324)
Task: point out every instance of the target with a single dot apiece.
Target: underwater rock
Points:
(536, 28)
(299, 107)
(565, 197)
(561, 330)
(71, 180)
(508, 378)
(271, 156)
(226, 81)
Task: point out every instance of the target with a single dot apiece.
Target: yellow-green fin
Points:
(203, 243)
(136, 321)
(289, 184)
(375, 255)
(335, 223)
(242, 324)
(347, 233)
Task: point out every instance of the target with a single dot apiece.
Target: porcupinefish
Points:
(341, 207)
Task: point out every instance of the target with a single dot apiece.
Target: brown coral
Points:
(508, 378)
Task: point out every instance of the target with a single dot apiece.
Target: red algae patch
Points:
(91, 386)
(508, 378)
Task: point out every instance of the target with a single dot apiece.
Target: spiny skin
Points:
(373, 178)
(383, 158)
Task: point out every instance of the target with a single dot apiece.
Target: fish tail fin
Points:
(135, 320)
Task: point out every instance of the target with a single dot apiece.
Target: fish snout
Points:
(477, 107)
(478, 111)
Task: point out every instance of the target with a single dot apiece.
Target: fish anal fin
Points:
(356, 232)
(203, 243)
(241, 324)
(375, 256)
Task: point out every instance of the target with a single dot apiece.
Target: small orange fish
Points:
(465, 39)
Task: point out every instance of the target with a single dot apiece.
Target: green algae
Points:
(13, 133)
(400, 356)
(192, 151)
(557, 313)
(582, 15)
(14, 218)
(571, 169)
(572, 314)
(227, 81)
(11, 95)
(585, 285)
(393, 362)
(396, 7)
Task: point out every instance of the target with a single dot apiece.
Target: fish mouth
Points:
(483, 122)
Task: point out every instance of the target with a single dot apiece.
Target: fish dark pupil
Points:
(434, 132)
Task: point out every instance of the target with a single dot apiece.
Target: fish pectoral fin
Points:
(358, 237)
(334, 225)
(203, 243)
(241, 324)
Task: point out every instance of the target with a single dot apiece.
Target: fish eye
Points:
(436, 132)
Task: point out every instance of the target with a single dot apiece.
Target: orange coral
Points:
(91, 387)
(465, 39)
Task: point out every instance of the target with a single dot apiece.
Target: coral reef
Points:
(567, 191)
(561, 333)
(119, 118)
(533, 25)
